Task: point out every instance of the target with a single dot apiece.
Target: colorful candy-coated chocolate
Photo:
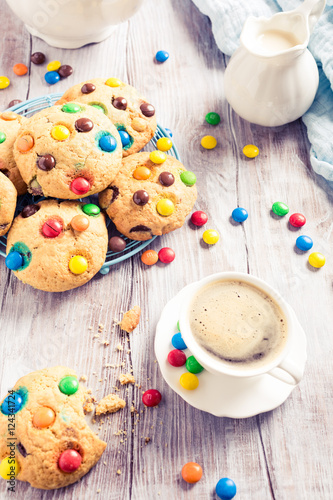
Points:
(178, 342)
(84, 125)
(168, 131)
(97, 106)
(60, 133)
(71, 107)
(68, 385)
(211, 236)
(177, 358)
(226, 489)
(37, 58)
(280, 208)
(52, 228)
(14, 102)
(189, 381)
(25, 143)
(208, 142)
(147, 109)
(9, 468)
(91, 209)
(192, 472)
(52, 77)
(161, 56)
(125, 138)
(14, 261)
(65, 71)
(46, 162)
(113, 82)
(117, 244)
(165, 207)
(80, 223)
(193, 366)
(141, 173)
(166, 255)
(199, 218)
(78, 264)
(2, 137)
(20, 69)
(164, 144)
(157, 157)
(12, 403)
(80, 186)
(317, 259)
(297, 220)
(29, 210)
(141, 197)
(107, 143)
(250, 151)
(188, 178)
(152, 397)
(4, 82)
(53, 66)
(304, 243)
(69, 461)
(43, 417)
(213, 118)
(149, 257)
(178, 326)
(239, 214)
(9, 116)
(120, 103)
(166, 178)
(88, 88)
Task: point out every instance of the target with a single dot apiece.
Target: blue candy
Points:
(239, 214)
(226, 489)
(168, 131)
(162, 56)
(12, 403)
(107, 143)
(14, 261)
(125, 138)
(52, 77)
(304, 243)
(178, 342)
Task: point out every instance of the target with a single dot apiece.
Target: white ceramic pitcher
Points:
(272, 78)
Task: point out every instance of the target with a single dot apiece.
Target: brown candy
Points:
(139, 228)
(65, 71)
(166, 179)
(37, 58)
(88, 88)
(29, 210)
(120, 103)
(84, 125)
(46, 163)
(147, 109)
(35, 188)
(140, 197)
(14, 102)
(117, 244)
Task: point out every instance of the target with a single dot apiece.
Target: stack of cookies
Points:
(87, 143)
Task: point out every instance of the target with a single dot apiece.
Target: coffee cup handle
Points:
(287, 372)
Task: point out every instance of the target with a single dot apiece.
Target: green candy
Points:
(69, 385)
(213, 118)
(193, 366)
(71, 107)
(280, 208)
(100, 108)
(91, 209)
(178, 327)
(188, 178)
(2, 137)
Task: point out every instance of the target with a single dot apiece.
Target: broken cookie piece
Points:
(110, 404)
(130, 319)
(126, 378)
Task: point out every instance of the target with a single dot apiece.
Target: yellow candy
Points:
(78, 264)
(317, 259)
(9, 468)
(157, 157)
(165, 207)
(60, 133)
(141, 173)
(208, 142)
(164, 144)
(189, 381)
(113, 82)
(53, 66)
(4, 82)
(210, 236)
(251, 151)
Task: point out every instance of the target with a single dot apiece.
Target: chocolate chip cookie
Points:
(7, 203)
(10, 124)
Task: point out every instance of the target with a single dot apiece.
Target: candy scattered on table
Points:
(317, 259)
(226, 489)
(152, 397)
(78, 264)
(208, 142)
(189, 381)
(199, 218)
(164, 144)
(52, 228)
(43, 417)
(9, 468)
(250, 151)
(25, 143)
(117, 244)
(65, 71)
(14, 102)
(149, 257)
(239, 214)
(53, 66)
(193, 366)
(80, 186)
(69, 385)
(4, 82)
(157, 157)
(188, 178)
(162, 56)
(166, 255)
(14, 261)
(211, 236)
(213, 118)
(304, 243)
(80, 223)
(297, 220)
(69, 461)
(177, 358)
(178, 342)
(280, 208)
(52, 77)
(91, 209)
(191, 472)
(168, 131)
(165, 207)
(20, 69)
(37, 58)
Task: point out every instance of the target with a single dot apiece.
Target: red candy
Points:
(199, 218)
(80, 185)
(69, 461)
(51, 228)
(152, 397)
(177, 358)
(297, 220)
(166, 255)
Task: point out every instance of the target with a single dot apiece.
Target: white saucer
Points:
(222, 395)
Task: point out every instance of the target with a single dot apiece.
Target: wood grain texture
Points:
(281, 455)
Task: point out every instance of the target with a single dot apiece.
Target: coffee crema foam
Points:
(238, 323)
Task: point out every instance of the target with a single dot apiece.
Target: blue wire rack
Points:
(32, 106)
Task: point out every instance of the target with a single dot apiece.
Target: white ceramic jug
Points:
(70, 24)
(272, 78)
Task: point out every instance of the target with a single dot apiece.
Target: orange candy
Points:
(80, 223)
(25, 143)
(192, 472)
(43, 417)
(149, 257)
(20, 69)
(9, 116)
(141, 173)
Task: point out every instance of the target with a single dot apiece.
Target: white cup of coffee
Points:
(235, 324)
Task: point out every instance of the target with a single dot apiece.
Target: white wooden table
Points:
(284, 454)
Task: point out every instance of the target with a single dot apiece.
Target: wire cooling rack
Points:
(32, 106)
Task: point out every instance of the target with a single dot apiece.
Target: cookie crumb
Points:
(130, 319)
(118, 472)
(99, 490)
(110, 404)
(119, 347)
(147, 439)
(84, 378)
(126, 378)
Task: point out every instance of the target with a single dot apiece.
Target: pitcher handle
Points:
(312, 10)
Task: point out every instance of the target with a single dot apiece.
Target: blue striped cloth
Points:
(228, 17)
